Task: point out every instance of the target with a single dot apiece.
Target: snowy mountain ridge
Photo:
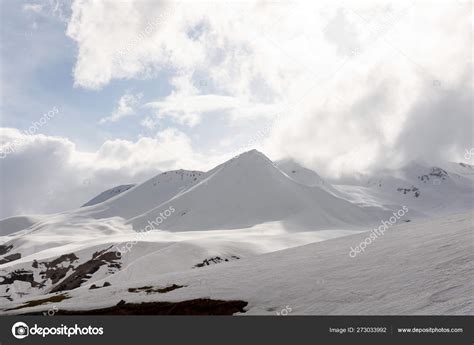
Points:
(223, 219)
(109, 193)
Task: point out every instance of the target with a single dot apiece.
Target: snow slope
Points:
(422, 267)
(299, 173)
(170, 252)
(144, 196)
(461, 169)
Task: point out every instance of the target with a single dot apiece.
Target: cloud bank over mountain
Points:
(342, 88)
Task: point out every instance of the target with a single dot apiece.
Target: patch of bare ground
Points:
(215, 260)
(151, 289)
(191, 307)
(9, 258)
(36, 302)
(20, 275)
(56, 269)
(84, 271)
(5, 249)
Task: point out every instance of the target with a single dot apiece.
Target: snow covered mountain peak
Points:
(249, 163)
(253, 156)
(250, 189)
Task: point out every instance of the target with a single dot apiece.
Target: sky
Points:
(100, 93)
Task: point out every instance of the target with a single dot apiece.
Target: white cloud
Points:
(347, 76)
(125, 107)
(56, 8)
(103, 29)
(148, 123)
(188, 109)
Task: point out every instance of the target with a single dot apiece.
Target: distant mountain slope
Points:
(13, 224)
(299, 173)
(109, 193)
(428, 190)
(144, 196)
(305, 176)
(461, 169)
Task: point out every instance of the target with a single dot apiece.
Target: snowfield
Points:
(271, 236)
(415, 268)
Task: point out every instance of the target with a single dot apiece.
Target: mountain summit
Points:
(250, 189)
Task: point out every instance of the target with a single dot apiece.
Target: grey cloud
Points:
(440, 123)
